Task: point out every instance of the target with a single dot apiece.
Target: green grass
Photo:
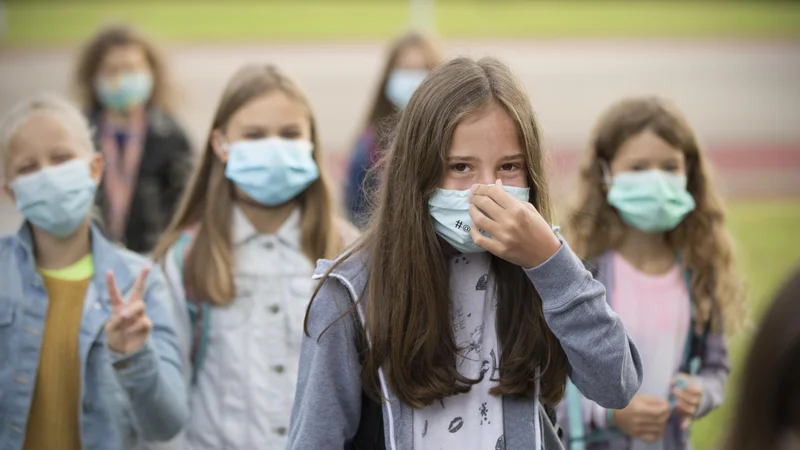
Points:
(38, 22)
(766, 234)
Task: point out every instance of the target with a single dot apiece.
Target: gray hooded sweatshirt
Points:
(603, 361)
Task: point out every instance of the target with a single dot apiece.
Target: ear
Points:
(220, 145)
(96, 166)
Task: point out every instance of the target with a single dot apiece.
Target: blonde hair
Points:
(46, 103)
(208, 200)
(702, 239)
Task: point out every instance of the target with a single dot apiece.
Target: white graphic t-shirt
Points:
(473, 420)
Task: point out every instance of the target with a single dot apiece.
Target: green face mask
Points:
(653, 201)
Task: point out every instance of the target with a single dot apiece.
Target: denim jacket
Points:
(125, 400)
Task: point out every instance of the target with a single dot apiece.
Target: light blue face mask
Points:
(272, 171)
(131, 89)
(401, 85)
(653, 201)
(450, 212)
(56, 199)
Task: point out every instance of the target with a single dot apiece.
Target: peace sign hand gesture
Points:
(128, 327)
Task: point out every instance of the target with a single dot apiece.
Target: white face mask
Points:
(56, 199)
(450, 212)
(272, 171)
(401, 85)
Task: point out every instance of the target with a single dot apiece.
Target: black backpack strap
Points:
(369, 435)
(370, 429)
(551, 414)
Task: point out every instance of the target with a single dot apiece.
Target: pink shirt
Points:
(656, 312)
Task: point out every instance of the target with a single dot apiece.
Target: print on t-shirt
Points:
(473, 419)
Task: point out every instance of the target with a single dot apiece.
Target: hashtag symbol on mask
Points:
(462, 226)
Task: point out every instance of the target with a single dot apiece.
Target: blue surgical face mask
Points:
(401, 85)
(56, 199)
(450, 212)
(653, 201)
(272, 171)
(129, 90)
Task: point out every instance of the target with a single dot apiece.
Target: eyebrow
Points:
(461, 159)
(452, 159)
(516, 157)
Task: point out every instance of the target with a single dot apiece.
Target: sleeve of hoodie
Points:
(327, 403)
(153, 376)
(713, 375)
(604, 363)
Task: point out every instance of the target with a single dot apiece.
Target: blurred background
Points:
(733, 67)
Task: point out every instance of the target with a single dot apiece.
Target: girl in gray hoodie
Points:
(455, 320)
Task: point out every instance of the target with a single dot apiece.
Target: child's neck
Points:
(116, 118)
(266, 219)
(54, 253)
(121, 119)
(648, 252)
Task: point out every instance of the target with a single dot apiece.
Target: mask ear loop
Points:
(605, 170)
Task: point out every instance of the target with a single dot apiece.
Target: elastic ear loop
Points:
(606, 171)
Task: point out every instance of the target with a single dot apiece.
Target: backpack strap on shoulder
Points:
(199, 311)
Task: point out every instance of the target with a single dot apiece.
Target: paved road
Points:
(742, 97)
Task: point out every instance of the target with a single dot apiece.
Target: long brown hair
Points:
(91, 57)
(769, 396)
(382, 108)
(702, 239)
(408, 301)
(208, 200)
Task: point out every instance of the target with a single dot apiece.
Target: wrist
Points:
(543, 252)
(611, 422)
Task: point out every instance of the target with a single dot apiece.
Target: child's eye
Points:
(254, 135)
(26, 169)
(58, 159)
(672, 168)
(460, 167)
(509, 167)
(290, 134)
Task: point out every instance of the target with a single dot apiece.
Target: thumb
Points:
(499, 183)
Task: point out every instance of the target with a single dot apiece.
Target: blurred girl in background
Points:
(239, 256)
(411, 57)
(122, 85)
(652, 226)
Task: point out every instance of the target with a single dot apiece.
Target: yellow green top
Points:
(80, 270)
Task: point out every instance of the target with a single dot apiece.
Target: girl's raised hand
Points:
(688, 394)
(128, 327)
(519, 234)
